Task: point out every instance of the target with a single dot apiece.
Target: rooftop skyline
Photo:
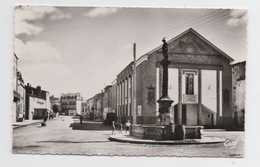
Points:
(82, 49)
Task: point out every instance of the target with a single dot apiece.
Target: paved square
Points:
(59, 138)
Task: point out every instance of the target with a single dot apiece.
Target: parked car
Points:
(110, 117)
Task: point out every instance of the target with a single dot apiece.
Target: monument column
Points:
(179, 111)
(165, 101)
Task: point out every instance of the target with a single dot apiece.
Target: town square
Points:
(89, 83)
(105, 81)
(58, 138)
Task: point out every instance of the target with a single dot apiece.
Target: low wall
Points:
(137, 131)
(153, 132)
(193, 132)
(146, 120)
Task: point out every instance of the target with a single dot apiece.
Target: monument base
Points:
(168, 132)
(164, 119)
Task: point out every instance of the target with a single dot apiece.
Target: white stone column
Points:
(179, 112)
(123, 98)
(199, 109)
(117, 99)
(218, 97)
(130, 96)
(120, 95)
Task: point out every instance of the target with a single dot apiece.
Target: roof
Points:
(235, 64)
(198, 35)
(129, 66)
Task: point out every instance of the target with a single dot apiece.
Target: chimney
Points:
(38, 88)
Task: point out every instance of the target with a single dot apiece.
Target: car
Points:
(110, 117)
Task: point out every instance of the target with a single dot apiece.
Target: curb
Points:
(19, 126)
(210, 140)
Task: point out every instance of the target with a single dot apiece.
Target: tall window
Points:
(189, 78)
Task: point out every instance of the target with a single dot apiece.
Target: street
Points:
(59, 138)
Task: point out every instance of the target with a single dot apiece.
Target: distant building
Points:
(114, 96)
(37, 103)
(71, 104)
(18, 93)
(107, 100)
(98, 105)
(21, 91)
(84, 108)
(90, 108)
(238, 100)
(55, 104)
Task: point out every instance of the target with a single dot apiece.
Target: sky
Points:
(82, 49)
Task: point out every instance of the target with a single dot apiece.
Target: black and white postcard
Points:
(121, 81)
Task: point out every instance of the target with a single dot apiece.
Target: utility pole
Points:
(134, 84)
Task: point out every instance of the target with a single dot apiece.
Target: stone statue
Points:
(165, 49)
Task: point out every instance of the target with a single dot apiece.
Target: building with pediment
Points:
(200, 83)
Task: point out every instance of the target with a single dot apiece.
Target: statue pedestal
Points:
(165, 111)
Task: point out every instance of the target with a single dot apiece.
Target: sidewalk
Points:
(25, 123)
(30, 122)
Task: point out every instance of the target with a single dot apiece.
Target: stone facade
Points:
(238, 92)
(200, 82)
(107, 101)
(125, 94)
(98, 106)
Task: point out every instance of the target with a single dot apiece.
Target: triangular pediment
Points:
(191, 42)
